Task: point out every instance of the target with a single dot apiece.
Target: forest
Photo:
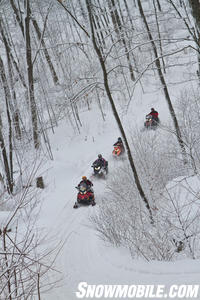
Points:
(62, 58)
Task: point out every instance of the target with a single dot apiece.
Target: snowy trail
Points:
(84, 256)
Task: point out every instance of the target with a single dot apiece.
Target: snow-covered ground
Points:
(85, 257)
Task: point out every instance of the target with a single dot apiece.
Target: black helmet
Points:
(152, 109)
(99, 156)
(119, 139)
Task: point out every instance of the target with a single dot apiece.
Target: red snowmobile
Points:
(118, 148)
(84, 197)
(117, 151)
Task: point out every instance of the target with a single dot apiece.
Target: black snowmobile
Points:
(151, 123)
(99, 170)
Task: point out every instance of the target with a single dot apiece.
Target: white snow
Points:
(84, 256)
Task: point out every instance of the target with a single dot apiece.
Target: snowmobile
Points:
(84, 197)
(117, 151)
(150, 122)
(99, 171)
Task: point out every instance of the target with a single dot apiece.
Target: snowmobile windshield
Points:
(97, 165)
(149, 117)
(83, 187)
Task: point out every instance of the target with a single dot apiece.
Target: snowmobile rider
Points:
(88, 184)
(89, 188)
(154, 114)
(102, 162)
(120, 144)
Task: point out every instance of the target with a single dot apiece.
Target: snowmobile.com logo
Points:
(140, 291)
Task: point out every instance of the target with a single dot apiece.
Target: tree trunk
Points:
(195, 9)
(46, 53)
(13, 106)
(19, 20)
(159, 35)
(9, 284)
(8, 167)
(118, 29)
(159, 6)
(128, 13)
(33, 107)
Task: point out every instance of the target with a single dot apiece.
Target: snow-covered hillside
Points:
(84, 256)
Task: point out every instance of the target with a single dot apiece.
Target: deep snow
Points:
(84, 256)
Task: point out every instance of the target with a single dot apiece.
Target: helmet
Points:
(99, 156)
(84, 177)
(152, 109)
(119, 139)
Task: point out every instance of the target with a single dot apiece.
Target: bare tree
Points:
(31, 95)
(42, 42)
(8, 163)
(175, 204)
(119, 30)
(195, 8)
(193, 32)
(23, 258)
(14, 111)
